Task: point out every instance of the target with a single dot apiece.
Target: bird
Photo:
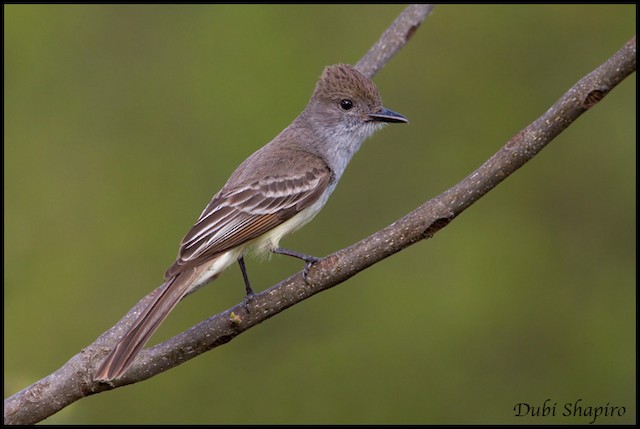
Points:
(275, 191)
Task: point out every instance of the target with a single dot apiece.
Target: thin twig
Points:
(393, 39)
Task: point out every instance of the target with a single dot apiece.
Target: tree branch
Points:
(393, 39)
(74, 380)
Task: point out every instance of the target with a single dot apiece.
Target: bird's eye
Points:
(346, 104)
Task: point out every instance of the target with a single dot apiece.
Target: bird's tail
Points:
(121, 357)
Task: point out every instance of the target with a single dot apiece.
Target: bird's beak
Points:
(386, 115)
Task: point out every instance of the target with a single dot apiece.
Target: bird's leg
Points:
(247, 285)
(310, 260)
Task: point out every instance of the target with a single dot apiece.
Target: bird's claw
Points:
(308, 265)
(247, 298)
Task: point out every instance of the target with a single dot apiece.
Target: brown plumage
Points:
(275, 191)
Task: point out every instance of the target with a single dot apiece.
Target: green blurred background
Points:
(122, 121)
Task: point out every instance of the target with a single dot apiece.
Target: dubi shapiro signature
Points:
(568, 409)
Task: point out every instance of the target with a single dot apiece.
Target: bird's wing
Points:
(236, 216)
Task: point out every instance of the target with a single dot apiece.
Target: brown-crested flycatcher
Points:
(275, 191)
